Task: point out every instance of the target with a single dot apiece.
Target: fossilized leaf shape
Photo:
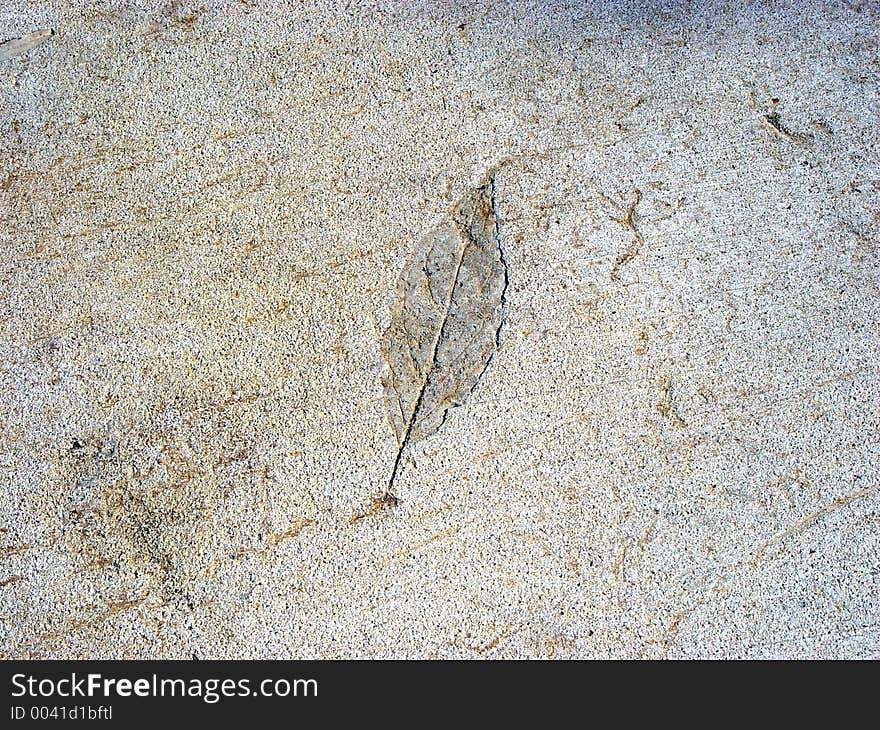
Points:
(444, 329)
(17, 46)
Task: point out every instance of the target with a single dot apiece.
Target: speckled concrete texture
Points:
(204, 212)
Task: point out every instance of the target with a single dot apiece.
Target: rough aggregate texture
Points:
(205, 211)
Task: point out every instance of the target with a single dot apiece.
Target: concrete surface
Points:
(204, 211)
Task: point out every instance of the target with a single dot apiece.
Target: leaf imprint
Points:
(17, 46)
(445, 328)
